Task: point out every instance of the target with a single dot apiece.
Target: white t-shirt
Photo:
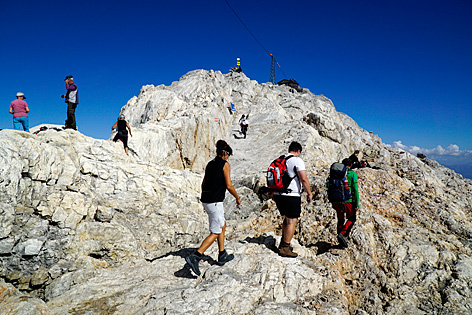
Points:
(295, 184)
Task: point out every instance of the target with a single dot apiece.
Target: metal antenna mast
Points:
(273, 61)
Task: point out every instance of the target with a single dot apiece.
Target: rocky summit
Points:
(87, 229)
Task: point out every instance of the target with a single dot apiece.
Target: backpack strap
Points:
(294, 170)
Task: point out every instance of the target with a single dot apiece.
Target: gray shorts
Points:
(216, 216)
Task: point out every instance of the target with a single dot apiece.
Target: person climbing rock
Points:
(346, 212)
(236, 69)
(19, 108)
(122, 134)
(244, 125)
(216, 181)
(72, 100)
(355, 160)
(289, 203)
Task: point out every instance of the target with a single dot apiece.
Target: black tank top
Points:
(214, 188)
(121, 125)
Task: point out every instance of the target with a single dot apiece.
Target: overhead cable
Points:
(247, 28)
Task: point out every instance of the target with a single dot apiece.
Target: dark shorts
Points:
(123, 137)
(289, 206)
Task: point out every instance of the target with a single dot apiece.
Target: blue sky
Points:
(401, 69)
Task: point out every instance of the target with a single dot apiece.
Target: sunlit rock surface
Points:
(86, 229)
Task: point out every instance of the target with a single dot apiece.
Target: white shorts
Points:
(216, 216)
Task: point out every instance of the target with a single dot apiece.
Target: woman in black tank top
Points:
(215, 183)
(122, 132)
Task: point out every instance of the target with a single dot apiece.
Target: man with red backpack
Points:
(288, 200)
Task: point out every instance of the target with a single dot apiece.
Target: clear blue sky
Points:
(402, 69)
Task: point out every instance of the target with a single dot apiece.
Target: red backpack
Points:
(277, 176)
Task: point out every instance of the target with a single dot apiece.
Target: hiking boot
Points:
(286, 251)
(289, 246)
(193, 261)
(224, 258)
(342, 241)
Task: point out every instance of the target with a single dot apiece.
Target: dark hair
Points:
(222, 146)
(347, 162)
(294, 147)
(356, 152)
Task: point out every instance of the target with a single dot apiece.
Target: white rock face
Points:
(85, 229)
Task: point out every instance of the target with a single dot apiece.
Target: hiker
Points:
(236, 69)
(72, 100)
(346, 211)
(289, 203)
(122, 134)
(19, 108)
(241, 119)
(216, 181)
(244, 124)
(355, 160)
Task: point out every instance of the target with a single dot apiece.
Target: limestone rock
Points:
(14, 302)
(90, 230)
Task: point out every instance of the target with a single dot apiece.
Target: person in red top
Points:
(19, 109)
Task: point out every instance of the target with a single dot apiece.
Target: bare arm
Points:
(27, 109)
(306, 184)
(114, 126)
(129, 128)
(229, 184)
(10, 110)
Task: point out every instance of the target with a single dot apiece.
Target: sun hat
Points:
(20, 94)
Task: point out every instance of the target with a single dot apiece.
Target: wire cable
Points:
(247, 28)
(253, 36)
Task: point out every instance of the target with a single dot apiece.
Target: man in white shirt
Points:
(289, 204)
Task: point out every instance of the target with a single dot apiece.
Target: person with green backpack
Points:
(343, 193)
(347, 218)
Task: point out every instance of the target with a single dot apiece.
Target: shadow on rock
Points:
(324, 247)
(268, 241)
(186, 271)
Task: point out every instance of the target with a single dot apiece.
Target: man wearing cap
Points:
(19, 108)
(72, 100)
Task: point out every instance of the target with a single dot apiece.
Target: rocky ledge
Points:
(86, 229)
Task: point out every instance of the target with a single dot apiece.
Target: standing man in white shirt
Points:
(289, 203)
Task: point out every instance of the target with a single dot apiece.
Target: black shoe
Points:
(342, 241)
(224, 258)
(193, 261)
